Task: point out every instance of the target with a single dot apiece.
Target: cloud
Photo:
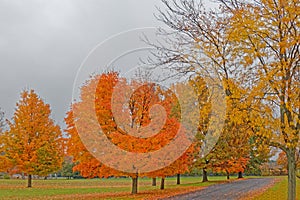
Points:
(42, 43)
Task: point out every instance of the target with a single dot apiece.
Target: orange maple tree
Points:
(231, 165)
(33, 144)
(179, 166)
(116, 121)
(86, 164)
(282, 160)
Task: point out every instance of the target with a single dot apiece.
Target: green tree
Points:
(259, 154)
(67, 168)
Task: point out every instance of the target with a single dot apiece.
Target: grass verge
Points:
(278, 190)
(114, 188)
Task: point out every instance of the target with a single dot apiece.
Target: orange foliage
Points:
(232, 165)
(34, 143)
(117, 121)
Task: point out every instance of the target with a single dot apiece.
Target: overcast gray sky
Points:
(43, 42)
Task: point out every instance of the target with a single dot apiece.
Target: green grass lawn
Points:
(119, 188)
(97, 188)
(278, 191)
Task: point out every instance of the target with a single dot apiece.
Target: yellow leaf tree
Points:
(33, 143)
(267, 34)
(201, 45)
(256, 45)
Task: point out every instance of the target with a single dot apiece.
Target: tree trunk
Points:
(227, 174)
(178, 179)
(162, 183)
(134, 185)
(29, 181)
(240, 175)
(204, 175)
(153, 181)
(291, 174)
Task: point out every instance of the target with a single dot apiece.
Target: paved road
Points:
(226, 191)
